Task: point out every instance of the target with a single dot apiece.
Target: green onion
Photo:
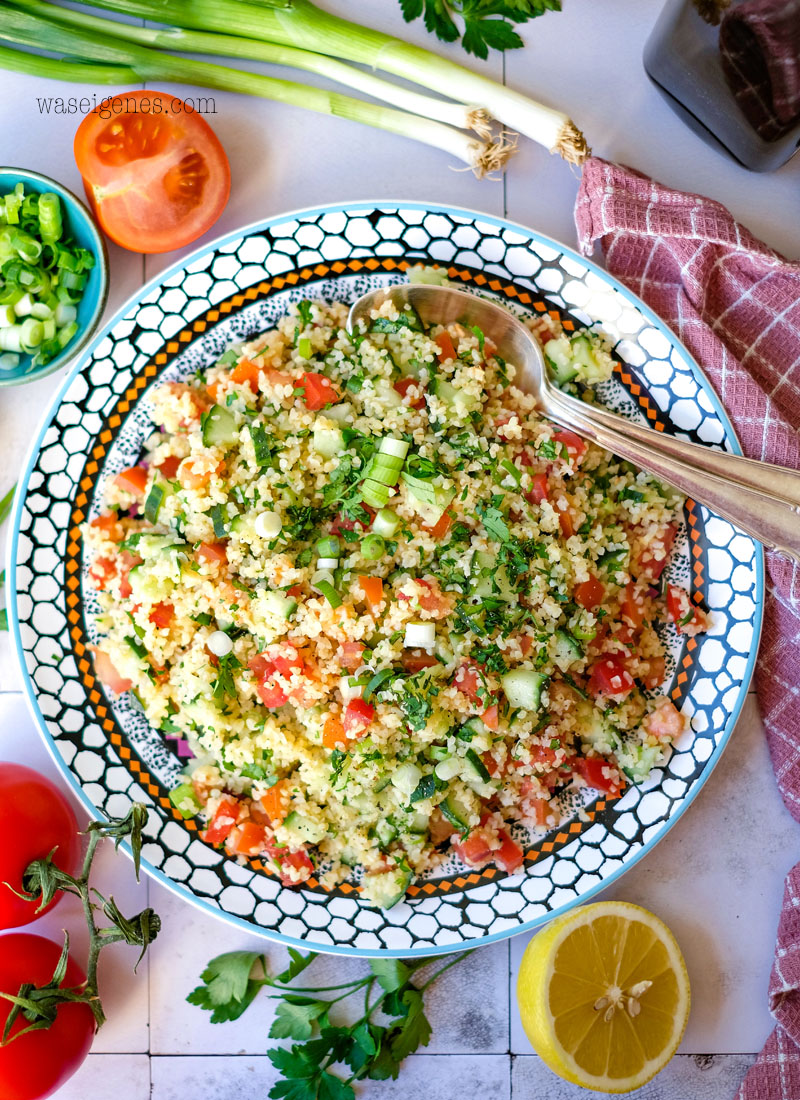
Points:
(386, 522)
(373, 547)
(377, 680)
(373, 493)
(305, 26)
(328, 547)
(329, 592)
(304, 347)
(51, 225)
(123, 49)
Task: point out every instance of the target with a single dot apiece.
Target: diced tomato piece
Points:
(576, 447)
(318, 391)
(474, 849)
(223, 822)
(169, 466)
(357, 716)
(490, 763)
(621, 632)
(656, 671)
(133, 480)
(444, 342)
(610, 677)
(491, 717)
(403, 385)
(295, 592)
(101, 571)
(126, 562)
(592, 769)
(565, 517)
(689, 619)
(286, 659)
(276, 800)
(538, 490)
(162, 615)
(271, 695)
(108, 675)
(509, 856)
(537, 810)
(650, 562)
(666, 722)
(350, 655)
(414, 660)
(295, 868)
(249, 839)
(213, 552)
(345, 523)
(246, 371)
(372, 587)
(110, 526)
(590, 593)
(469, 680)
(197, 472)
(333, 733)
(525, 644)
(633, 605)
(441, 527)
(543, 755)
(433, 599)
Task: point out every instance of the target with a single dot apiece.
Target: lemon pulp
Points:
(604, 996)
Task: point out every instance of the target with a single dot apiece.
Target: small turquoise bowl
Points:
(82, 228)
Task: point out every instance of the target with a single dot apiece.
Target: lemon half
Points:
(604, 996)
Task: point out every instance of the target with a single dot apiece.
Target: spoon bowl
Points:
(762, 499)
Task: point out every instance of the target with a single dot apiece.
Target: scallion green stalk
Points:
(24, 28)
(177, 39)
(306, 27)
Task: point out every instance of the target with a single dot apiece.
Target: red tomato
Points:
(222, 823)
(285, 660)
(468, 679)
(543, 755)
(39, 1063)
(525, 644)
(565, 517)
(441, 527)
(509, 856)
(633, 606)
(647, 565)
(35, 817)
(689, 619)
(249, 839)
(156, 178)
(447, 350)
(213, 552)
(162, 615)
(474, 850)
(271, 695)
(591, 768)
(414, 660)
(432, 599)
(656, 671)
(125, 563)
(491, 717)
(318, 391)
(403, 385)
(357, 716)
(345, 523)
(108, 675)
(110, 526)
(133, 480)
(538, 490)
(295, 867)
(589, 593)
(610, 677)
(576, 447)
(169, 466)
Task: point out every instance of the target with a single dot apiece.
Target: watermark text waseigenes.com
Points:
(111, 106)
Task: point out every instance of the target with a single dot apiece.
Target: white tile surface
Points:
(716, 878)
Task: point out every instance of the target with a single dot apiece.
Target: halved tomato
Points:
(155, 174)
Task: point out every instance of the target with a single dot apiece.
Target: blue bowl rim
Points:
(101, 256)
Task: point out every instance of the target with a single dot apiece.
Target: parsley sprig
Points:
(487, 24)
(363, 1049)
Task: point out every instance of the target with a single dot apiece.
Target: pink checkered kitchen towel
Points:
(736, 305)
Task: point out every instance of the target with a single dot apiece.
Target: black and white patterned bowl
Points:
(182, 321)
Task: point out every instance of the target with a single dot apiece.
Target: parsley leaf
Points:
(295, 1021)
(228, 988)
(487, 24)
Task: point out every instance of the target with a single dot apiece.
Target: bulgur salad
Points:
(393, 609)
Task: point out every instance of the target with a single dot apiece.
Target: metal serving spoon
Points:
(761, 499)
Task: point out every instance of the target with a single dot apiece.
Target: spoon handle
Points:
(761, 499)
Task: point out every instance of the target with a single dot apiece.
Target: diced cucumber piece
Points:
(386, 832)
(523, 688)
(219, 427)
(418, 822)
(159, 490)
(311, 832)
(595, 729)
(151, 546)
(454, 812)
(185, 800)
(461, 402)
(639, 761)
(567, 648)
(406, 777)
(474, 767)
(328, 441)
(146, 585)
(473, 727)
(278, 603)
(558, 353)
(387, 888)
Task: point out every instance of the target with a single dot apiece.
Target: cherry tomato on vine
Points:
(37, 1064)
(35, 817)
(155, 173)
